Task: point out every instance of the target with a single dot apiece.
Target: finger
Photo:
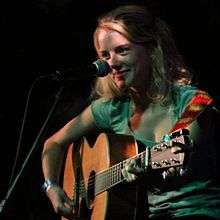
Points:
(61, 202)
(68, 201)
(125, 174)
(171, 171)
(129, 167)
(176, 150)
(134, 168)
(177, 147)
(130, 170)
(131, 177)
(66, 212)
(135, 162)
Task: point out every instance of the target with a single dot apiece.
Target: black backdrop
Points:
(39, 37)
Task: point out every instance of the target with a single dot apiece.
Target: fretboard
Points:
(113, 176)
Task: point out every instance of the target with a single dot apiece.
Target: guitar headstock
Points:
(161, 155)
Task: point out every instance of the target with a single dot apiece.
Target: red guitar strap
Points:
(196, 106)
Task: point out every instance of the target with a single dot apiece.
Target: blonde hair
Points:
(140, 27)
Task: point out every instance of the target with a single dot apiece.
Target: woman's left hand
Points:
(132, 170)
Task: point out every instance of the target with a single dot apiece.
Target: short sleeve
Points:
(191, 102)
(101, 113)
(183, 95)
(196, 99)
(112, 114)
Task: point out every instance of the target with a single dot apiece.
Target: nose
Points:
(114, 62)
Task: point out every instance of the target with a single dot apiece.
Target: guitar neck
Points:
(113, 176)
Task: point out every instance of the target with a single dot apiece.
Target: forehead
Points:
(109, 33)
(107, 37)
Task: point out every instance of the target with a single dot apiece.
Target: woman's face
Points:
(128, 61)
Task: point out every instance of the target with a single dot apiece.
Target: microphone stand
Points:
(34, 146)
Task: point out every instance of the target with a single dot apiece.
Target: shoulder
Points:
(107, 110)
(100, 107)
(110, 103)
(182, 94)
(190, 95)
(100, 102)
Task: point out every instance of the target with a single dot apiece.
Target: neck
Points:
(139, 97)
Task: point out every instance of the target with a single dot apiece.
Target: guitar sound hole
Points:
(91, 189)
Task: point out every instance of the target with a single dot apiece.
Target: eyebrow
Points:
(121, 45)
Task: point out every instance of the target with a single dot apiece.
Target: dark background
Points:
(39, 37)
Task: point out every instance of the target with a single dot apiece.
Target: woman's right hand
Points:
(62, 204)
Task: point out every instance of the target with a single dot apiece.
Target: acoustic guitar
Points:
(93, 178)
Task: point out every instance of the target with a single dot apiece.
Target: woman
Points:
(144, 95)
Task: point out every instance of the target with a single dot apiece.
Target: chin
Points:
(121, 86)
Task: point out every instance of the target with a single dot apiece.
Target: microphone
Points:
(98, 68)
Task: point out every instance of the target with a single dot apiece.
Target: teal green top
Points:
(193, 195)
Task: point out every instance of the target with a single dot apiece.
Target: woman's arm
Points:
(53, 156)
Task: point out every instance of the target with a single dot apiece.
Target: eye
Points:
(122, 50)
(104, 55)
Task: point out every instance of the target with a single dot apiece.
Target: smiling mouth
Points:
(119, 76)
(120, 73)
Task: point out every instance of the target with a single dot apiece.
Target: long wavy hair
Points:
(138, 25)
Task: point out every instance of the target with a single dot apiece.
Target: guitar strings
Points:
(107, 178)
(102, 179)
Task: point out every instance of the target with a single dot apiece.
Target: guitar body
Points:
(84, 161)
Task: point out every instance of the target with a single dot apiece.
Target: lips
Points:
(119, 73)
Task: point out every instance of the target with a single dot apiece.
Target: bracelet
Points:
(48, 184)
